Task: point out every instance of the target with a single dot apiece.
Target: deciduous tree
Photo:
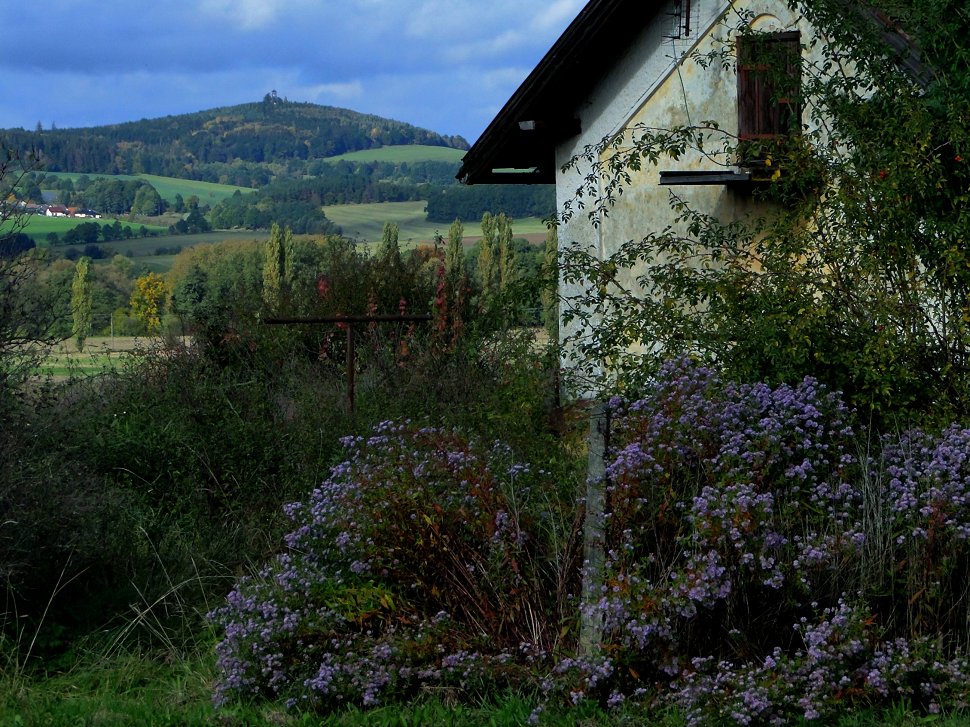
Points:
(81, 302)
(147, 299)
(26, 313)
(277, 267)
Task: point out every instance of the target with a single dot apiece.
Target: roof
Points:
(541, 113)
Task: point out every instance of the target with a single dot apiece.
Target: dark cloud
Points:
(444, 64)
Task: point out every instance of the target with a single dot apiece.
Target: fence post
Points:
(594, 552)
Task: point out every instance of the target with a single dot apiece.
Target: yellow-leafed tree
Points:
(147, 299)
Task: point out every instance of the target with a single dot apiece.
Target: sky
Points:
(444, 65)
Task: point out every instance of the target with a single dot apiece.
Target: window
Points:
(769, 90)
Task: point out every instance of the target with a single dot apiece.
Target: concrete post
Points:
(594, 552)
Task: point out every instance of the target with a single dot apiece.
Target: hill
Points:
(275, 161)
(245, 145)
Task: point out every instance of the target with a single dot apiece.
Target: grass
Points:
(167, 187)
(171, 690)
(403, 153)
(144, 249)
(39, 226)
(365, 222)
(100, 354)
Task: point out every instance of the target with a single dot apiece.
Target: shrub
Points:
(422, 560)
(764, 569)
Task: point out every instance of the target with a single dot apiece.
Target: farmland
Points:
(403, 153)
(100, 354)
(39, 226)
(364, 222)
(208, 192)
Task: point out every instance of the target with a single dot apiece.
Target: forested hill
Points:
(273, 132)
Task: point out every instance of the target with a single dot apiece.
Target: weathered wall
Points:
(658, 84)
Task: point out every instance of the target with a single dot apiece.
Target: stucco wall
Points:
(658, 84)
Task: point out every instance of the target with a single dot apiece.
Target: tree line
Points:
(267, 132)
(469, 203)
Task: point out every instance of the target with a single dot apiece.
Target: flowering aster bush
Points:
(762, 569)
(418, 561)
(761, 566)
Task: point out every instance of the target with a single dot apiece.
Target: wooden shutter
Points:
(769, 85)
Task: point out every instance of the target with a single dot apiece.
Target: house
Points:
(57, 210)
(626, 64)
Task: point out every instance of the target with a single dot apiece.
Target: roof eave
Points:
(541, 114)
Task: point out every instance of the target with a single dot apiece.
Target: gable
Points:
(519, 145)
(542, 112)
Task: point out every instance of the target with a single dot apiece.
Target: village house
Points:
(627, 64)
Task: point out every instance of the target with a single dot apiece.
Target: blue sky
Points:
(446, 65)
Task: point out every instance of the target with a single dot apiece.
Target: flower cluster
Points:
(758, 568)
(741, 522)
(839, 664)
(416, 562)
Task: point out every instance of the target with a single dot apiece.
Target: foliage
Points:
(453, 292)
(255, 133)
(764, 569)
(470, 203)
(25, 314)
(497, 271)
(283, 203)
(419, 561)
(147, 300)
(278, 268)
(858, 275)
(81, 302)
(107, 195)
(15, 243)
(758, 569)
(549, 295)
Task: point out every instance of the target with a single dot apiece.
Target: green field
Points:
(207, 192)
(403, 153)
(100, 354)
(39, 226)
(144, 249)
(364, 222)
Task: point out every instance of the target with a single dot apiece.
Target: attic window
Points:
(769, 91)
(682, 19)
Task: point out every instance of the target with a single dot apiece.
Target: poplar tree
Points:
(81, 301)
(389, 253)
(277, 267)
(488, 260)
(550, 284)
(506, 253)
(390, 268)
(455, 254)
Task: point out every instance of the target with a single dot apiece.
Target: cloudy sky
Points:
(446, 65)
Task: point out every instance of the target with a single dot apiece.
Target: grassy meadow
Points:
(403, 153)
(365, 222)
(146, 250)
(100, 354)
(208, 192)
(39, 226)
